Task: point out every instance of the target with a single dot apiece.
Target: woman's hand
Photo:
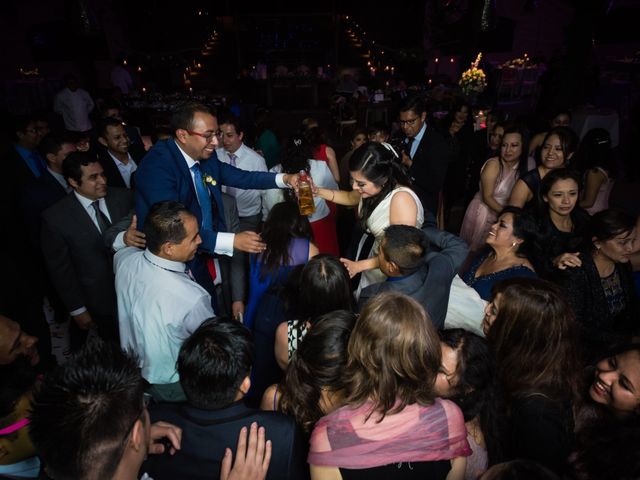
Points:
(352, 267)
(565, 260)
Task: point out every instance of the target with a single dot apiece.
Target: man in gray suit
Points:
(73, 247)
(416, 269)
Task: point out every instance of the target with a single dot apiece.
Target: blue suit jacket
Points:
(164, 175)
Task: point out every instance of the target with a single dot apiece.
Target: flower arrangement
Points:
(525, 61)
(473, 80)
(208, 179)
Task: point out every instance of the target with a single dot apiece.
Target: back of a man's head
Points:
(85, 411)
(405, 246)
(165, 223)
(214, 362)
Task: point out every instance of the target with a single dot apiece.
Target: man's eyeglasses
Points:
(207, 136)
(409, 122)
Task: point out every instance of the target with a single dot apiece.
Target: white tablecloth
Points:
(588, 119)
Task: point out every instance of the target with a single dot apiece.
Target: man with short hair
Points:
(414, 269)
(72, 243)
(15, 343)
(235, 152)
(89, 419)
(159, 303)
(119, 166)
(427, 153)
(23, 159)
(186, 169)
(214, 366)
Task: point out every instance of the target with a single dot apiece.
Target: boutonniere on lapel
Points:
(208, 179)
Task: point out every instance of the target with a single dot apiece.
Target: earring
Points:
(514, 244)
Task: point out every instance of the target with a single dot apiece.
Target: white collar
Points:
(190, 161)
(84, 201)
(163, 263)
(118, 162)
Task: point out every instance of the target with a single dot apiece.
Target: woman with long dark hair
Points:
(287, 235)
(601, 289)
(467, 376)
(313, 385)
(382, 192)
(532, 332)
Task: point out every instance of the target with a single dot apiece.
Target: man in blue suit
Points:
(186, 169)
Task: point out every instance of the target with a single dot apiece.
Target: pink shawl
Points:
(416, 434)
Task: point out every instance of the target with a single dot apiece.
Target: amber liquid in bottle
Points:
(305, 195)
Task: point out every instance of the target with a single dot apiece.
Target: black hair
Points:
(182, 116)
(52, 143)
(106, 122)
(552, 177)
(16, 378)
(405, 246)
(84, 411)
(320, 286)
(608, 224)
(72, 165)
(477, 392)
(523, 161)
(283, 224)
(525, 227)
(165, 223)
(568, 142)
(297, 152)
(317, 364)
(20, 123)
(315, 137)
(380, 166)
(413, 103)
(214, 361)
(378, 127)
(231, 120)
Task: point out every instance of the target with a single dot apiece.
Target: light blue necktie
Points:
(203, 198)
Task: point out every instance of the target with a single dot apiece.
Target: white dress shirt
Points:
(74, 108)
(125, 170)
(248, 201)
(159, 306)
(87, 204)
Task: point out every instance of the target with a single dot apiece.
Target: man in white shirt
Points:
(115, 158)
(236, 153)
(159, 302)
(75, 105)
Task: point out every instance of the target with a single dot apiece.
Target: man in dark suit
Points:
(414, 269)
(186, 169)
(214, 365)
(427, 153)
(114, 154)
(23, 161)
(78, 262)
(232, 292)
(111, 109)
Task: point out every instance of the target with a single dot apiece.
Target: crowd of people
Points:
(216, 328)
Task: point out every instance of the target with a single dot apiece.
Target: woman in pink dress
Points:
(497, 177)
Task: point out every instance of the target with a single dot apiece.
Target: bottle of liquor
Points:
(305, 195)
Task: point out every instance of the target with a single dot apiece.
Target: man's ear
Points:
(102, 141)
(167, 249)
(245, 385)
(392, 267)
(241, 136)
(138, 438)
(181, 135)
(72, 183)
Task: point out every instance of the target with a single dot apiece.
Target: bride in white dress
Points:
(381, 191)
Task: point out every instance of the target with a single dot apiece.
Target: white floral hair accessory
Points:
(297, 142)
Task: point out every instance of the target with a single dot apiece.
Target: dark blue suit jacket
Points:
(164, 175)
(206, 434)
